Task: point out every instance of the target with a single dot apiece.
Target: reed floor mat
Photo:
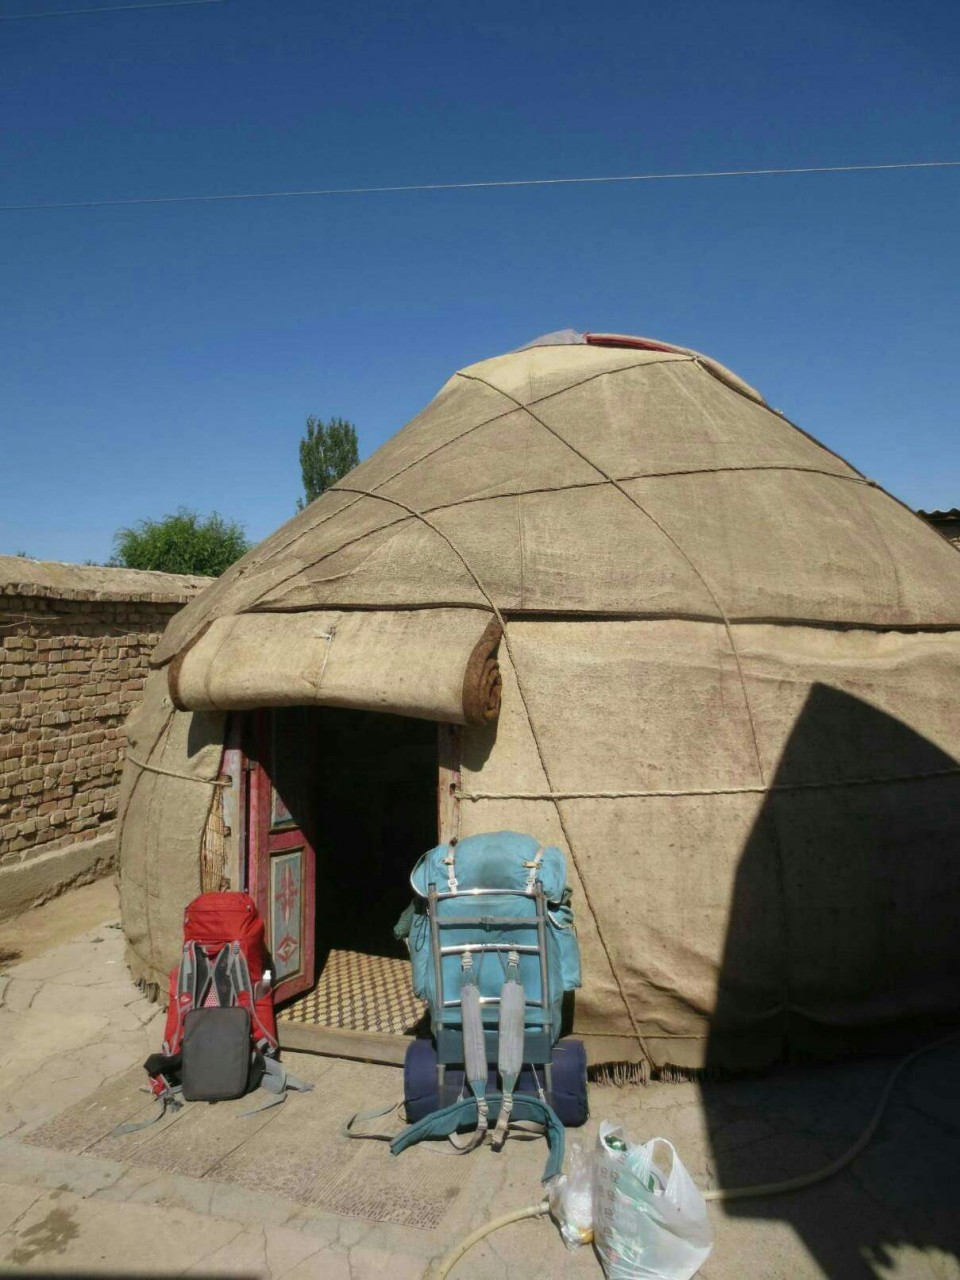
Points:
(360, 992)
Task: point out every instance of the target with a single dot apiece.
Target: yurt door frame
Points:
(281, 876)
(281, 870)
(448, 783)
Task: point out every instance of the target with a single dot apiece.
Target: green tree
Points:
(327, 452)
(181, 543)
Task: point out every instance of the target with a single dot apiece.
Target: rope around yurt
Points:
(722, 1195)
(708, 791)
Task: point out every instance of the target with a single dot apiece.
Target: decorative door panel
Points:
(288, 928)
(281, 861)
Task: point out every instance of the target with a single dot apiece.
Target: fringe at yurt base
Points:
(632, 1073)
(150, 989)
(618, 1073)
(669, 1073)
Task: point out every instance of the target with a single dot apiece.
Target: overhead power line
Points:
(474, 186)
(108, 8)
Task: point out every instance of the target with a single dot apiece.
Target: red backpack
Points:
(220, 1039)
(222, 964)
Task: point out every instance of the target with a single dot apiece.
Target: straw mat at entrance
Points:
(360, 992)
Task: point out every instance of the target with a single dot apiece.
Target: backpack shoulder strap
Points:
(243, 994)
(474, 1051)
(510, 1044)
(533, 868)
(186, 993)
(440, 1124)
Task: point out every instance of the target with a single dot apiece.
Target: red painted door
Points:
(281, 859)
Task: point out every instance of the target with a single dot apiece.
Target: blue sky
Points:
(157, 356)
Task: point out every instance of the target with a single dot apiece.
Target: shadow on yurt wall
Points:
(835, 945)
(833, 935)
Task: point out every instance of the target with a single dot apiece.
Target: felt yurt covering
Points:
(726, 668)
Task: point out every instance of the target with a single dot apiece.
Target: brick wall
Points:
(74, 647)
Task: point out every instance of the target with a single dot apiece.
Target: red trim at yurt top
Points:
(622, 340)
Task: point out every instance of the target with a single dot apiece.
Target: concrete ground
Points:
(285, 1194)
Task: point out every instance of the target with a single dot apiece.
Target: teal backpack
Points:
(493, 951)
(466, 877)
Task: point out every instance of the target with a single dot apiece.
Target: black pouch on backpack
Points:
(217, 1054)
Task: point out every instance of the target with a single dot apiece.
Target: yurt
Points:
(597, 591)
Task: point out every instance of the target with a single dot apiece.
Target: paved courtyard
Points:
(283, 1193)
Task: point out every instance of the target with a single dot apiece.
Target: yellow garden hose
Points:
(450, 1260)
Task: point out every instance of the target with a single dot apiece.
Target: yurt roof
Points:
(583, 475)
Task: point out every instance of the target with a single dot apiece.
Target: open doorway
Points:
(376, 795)
(356, 791)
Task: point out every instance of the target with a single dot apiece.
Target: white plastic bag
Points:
(571, 1199)
(650, 1221)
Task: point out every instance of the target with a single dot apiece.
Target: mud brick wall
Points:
(74, 648)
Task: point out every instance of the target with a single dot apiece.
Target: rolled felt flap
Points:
(436, 664)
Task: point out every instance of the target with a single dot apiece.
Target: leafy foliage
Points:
(181, 543)
(327, 452)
